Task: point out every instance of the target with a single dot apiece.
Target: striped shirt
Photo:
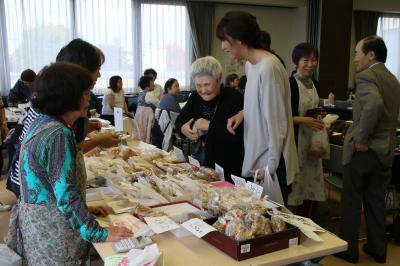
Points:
(26, 120)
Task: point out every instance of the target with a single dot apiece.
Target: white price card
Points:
(220, 171)
(198, 227)
(179, 154)
(254, 189)
(239, 182)
(194, 162)
(118, 120)
(161, 224)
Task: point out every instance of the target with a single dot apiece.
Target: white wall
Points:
(287, 27)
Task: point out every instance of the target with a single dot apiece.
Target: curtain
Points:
(165, 42)
(365, 23)
(389, 29)
(201, 16)
(4, 71)
(313, 22)
(314, 25)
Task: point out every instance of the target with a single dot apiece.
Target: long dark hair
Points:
(241, 26)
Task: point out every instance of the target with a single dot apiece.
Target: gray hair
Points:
(207, 66)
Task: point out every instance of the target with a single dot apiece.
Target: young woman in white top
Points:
(113, 98)
(268, 124)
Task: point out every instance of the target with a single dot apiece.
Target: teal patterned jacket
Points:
(48, 175)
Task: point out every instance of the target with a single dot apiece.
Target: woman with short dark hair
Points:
(114, 97)
(308, 187)
(54, 222)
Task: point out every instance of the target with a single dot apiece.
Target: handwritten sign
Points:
(220, 171)
(198, 227)
(118, 120)
(179, 154)
(239, 182)
(161, 224)
(254, 189)
(194, 162)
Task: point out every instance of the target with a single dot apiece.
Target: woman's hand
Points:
(234, 122)
(260, 174)
(94, 125)
(116, 233)
(202, 124)
(188, 132)
(314, 124)
(107, 140)
(98, 211)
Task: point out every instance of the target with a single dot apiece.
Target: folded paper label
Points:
(161, 224)
(220, 171)
(254, 189)
(239, 182)
(198, 227)
(194, 162)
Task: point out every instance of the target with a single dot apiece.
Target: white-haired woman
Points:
(204, 118)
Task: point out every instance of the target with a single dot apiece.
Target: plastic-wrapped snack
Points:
(278, 224)
(214, 207)
(234, 214)
(213, 175)
(244, 234)
(220, 224)
(267, 227)
(258, 207)
(238, 231)
(126, 153)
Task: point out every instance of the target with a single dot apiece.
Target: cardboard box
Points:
(241, 250)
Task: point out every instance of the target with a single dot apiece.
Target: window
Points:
(133, 34)
(389, 30)
(108, 25)
(36, 30)
(165, 41)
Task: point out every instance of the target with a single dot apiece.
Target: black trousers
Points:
(365, 182)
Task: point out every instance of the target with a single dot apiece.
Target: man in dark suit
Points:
(369, 150)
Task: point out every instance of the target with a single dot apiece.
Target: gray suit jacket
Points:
(375, 112)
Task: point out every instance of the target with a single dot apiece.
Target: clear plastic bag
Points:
(320, 147)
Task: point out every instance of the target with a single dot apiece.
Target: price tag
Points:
(254, 189)
(179, 154)
(118, 120)
(194, 162)
(293, 242)
(245, 248)
(239, 182)
(198, 227)
(161, 224)
(220, 171)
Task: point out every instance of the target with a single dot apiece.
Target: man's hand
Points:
(361, 147)
(234, 122)
(188, 132)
